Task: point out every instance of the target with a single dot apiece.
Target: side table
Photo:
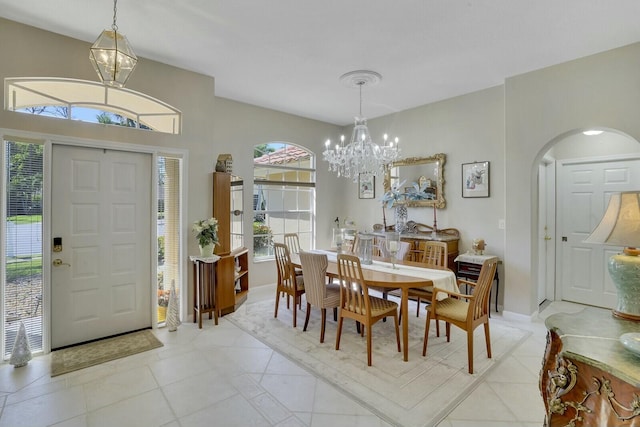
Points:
(469, 266)
(204, 283)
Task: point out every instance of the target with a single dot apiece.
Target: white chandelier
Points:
(361, 155)
(112, 56)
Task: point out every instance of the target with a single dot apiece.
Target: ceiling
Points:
(288, 55)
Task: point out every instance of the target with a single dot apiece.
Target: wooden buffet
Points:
(588, 378)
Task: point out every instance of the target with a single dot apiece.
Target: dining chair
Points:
(467, 312)
(434, 256)
(317, 292)
(288, 283)
(357, 304)
(293, 243)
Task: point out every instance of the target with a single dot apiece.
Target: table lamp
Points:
(620, 226)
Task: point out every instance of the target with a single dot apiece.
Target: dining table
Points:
(407, 274)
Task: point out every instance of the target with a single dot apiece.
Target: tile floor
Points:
(223, 376)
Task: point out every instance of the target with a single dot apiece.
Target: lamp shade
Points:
(620, 225)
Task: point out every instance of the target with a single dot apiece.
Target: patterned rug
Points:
(417, 393)
(96, 352)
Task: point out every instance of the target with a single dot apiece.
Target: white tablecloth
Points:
(443, 279)
(473, 258)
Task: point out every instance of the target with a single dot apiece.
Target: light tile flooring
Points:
(223, 376)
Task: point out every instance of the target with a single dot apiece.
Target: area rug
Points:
(96, 352)
(417, 393)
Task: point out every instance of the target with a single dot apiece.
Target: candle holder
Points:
(393, 244)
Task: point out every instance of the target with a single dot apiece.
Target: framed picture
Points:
(475, 179)
(366, 186)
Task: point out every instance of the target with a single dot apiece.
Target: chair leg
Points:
(470, 349)
(324, 321)
(288, 302)
(437, 328)
(306, 320)
(295, 311)
(339, 332)
(487, 338)
(448, 328)
(368, 344)
(418, 307)
(335, 314)
(277, 302)
(426, 333)
(397, 331)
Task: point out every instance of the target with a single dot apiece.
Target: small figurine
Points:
(478, 246)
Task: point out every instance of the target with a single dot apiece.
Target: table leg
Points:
(404, 307)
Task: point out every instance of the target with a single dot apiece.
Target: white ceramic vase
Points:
(207, 250)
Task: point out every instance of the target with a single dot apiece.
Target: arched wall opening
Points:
(547, 245)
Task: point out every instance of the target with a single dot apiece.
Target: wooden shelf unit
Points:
(232, 286)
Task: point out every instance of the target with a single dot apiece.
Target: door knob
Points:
(58, 262)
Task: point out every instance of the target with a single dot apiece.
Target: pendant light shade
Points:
(112, 56)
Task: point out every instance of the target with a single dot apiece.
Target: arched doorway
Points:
(576, 175)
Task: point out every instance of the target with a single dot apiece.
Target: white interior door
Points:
(583, 196)
(101, 209)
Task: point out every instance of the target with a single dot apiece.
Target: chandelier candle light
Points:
(361, 155)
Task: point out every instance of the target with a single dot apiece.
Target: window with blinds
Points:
(168, 229)
(22, 270)
(283, 196)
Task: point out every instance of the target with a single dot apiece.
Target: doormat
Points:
(82, 356)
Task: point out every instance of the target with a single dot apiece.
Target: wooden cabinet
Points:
(232, 270)
(588, 378)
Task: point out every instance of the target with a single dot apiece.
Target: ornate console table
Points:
(588, 378)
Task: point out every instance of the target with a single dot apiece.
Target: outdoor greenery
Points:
(262, 238)
(25, 219)
(24, 189)
(23, 267)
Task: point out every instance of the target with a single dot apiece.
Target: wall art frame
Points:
(476, 179)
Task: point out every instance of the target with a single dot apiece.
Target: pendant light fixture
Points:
(361, 155)
(112, 56)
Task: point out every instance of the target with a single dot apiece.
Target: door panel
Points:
(583, 197)
(101, 208)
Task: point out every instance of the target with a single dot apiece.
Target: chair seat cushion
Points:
(378, 306)
(452, 308)
(332, 297)
(299, 283)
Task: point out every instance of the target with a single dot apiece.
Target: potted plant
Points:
(207, 234)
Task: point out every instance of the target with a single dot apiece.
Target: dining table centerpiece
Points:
(207, 234)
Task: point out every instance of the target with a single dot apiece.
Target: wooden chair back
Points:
(293, 242)
(435, 254)
(354, 293)
(479, 305)
(286, 272)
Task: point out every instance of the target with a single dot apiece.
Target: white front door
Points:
(582, 199)
(101, 211)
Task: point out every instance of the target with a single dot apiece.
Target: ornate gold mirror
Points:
(427, 172)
